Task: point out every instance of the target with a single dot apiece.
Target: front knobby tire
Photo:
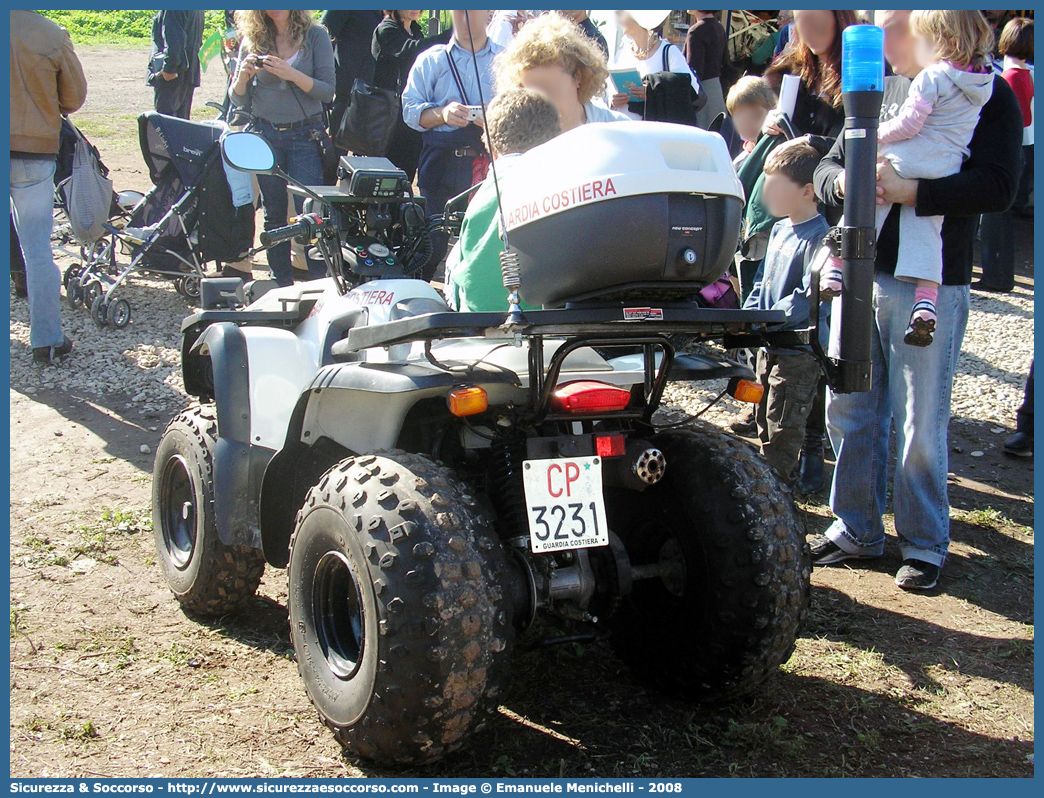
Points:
(207, 576)
(397, 613)
(729, 612)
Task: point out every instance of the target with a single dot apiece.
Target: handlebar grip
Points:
(280, 234)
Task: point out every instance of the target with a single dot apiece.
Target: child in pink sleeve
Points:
(929, 139)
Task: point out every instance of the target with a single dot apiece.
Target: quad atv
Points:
(434, 481)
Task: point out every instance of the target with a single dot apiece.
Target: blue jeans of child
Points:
(298, 156)
(911, 386)
(32, 206)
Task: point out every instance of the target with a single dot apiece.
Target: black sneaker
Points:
(917, 575)
(826, 552)
(1019, 445)
(49, 354)
(232, 271)
(18, 284)
(993, 289)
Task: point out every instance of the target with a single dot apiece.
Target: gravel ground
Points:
(996, 357)
(991, 371)
(138, 366)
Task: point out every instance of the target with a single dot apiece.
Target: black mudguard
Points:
(239, 467)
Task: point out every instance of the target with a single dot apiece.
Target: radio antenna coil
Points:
(509, 262)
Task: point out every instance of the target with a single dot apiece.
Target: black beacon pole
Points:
(862, 81)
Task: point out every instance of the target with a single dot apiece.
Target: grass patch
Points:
(81, 733)
(42, 551)
(119, 131)
(176, 655)
(36, 724)
(989, 518)
(117, 27)
(96, 540)
(17, 626)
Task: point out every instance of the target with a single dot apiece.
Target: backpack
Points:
(669, 96)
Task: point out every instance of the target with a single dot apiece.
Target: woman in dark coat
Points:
(815, 57)
(705, 52)
(397, 42)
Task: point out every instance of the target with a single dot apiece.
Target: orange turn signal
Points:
(467, 401)
(746, 390)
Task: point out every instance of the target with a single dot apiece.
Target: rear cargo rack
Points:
(612, 322)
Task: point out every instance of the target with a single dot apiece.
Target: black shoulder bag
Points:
(669, 96)
(369, 120)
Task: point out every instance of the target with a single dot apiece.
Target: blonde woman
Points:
(552, 55)
(285, 74)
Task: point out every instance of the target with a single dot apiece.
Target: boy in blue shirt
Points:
(790, 376)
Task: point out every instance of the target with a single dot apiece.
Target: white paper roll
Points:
(788, 92)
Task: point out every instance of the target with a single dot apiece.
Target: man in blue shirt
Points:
(790, 376)
(441, 93)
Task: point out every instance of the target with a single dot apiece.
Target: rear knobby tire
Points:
(207, 576)
(734, 617)
(397, 611)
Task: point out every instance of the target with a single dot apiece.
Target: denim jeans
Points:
(32, 206)
(453, 178)
(911, 386)
(298, 156)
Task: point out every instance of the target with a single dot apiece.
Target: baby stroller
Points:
(187, 220)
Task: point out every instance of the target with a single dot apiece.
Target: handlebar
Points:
(304, 227)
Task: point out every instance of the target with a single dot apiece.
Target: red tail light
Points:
(587, 396)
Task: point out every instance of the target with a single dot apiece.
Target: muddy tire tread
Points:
(760, 575)
(445, 638)
(230, 575)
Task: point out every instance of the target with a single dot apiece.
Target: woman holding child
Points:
(912, 384)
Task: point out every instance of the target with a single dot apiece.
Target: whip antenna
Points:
(509, 265)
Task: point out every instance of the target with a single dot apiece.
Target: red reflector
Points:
(587, 396)
(610, 445)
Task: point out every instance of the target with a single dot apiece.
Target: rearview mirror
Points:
(248, 152)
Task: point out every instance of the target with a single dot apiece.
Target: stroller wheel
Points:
(71, 274)
(119, 314)
(92, 291)
(71, 280)
(99, 309)
(74, 295)
(190, 286)
(179, 285)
